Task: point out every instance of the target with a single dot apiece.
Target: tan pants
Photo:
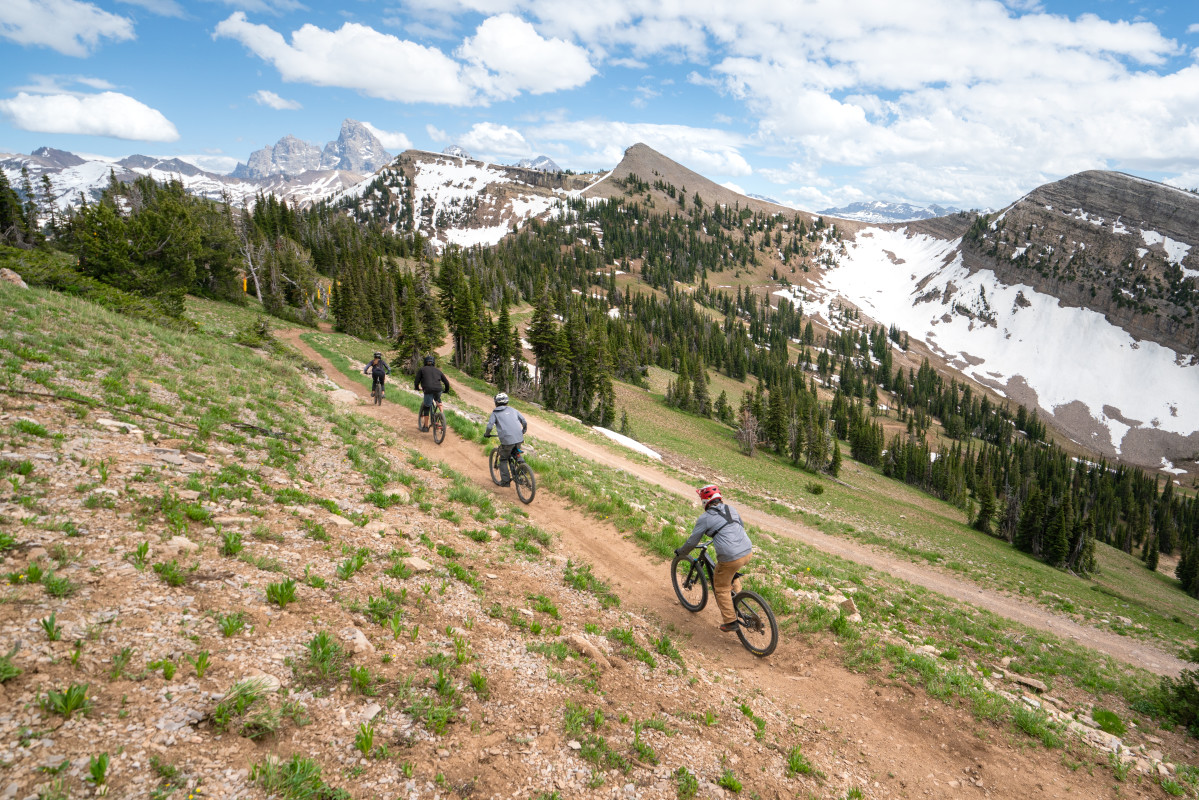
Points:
(725, 588)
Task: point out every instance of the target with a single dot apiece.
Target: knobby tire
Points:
(494, 463)
(438, 427)
(690, 583)
(757, 628)
(526, 482)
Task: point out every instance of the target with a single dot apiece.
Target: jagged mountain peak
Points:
(881, 211)
(356, 149)
(457, 151)
(540, 163)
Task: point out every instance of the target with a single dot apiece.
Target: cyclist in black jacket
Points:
(377, 369)
(431, 380)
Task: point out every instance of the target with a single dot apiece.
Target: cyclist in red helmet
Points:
(732, 546)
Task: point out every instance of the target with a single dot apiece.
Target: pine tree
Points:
(1029, 531)
(986, 507)
(1057, 535)
(834, 467)
(1152, 559)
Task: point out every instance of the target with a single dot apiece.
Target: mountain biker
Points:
(377, 368)
(505, 419)
(431, 380)
(732, 545)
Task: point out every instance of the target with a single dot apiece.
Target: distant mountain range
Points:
(880, 212)
(356, 149)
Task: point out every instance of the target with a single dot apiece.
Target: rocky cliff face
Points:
(1125, 247)
(356, 149)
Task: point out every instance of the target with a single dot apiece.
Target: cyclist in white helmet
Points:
(511, 427)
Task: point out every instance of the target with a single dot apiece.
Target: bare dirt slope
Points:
(902, 742)
(1125, 649)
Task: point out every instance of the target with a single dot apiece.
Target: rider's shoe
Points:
(505, 483)
(729, 627)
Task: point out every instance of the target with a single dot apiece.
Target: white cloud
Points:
(436, 134)
(105, 114)
(68, 26)
(221, 165)
(1193, 28)
(505, 57)
(392, 140)
(708, 151)
(884, 86)
(732, 187)
(489, 140)
(264, 97)
(355, 57)
(508, 57)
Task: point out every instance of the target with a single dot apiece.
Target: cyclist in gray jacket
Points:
(511, 427)
(732, 546)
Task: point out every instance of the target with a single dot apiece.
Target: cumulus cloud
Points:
(392, 140)
(488, 140)
(947, 85)
(507, 57)
(355, 57)
(68, 26)
(708, 151)
(436, 134)
(504, 58)
(106, 114)
(264, 97)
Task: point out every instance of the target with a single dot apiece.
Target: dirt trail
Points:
(466, 458)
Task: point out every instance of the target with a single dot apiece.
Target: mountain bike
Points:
(756, 626)
(522, 475)
(377, 391)
(436, 421)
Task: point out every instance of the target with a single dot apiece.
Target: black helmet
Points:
(378, 355)
(501, 399)
(429, 361)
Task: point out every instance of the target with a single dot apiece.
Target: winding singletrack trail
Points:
(465, 457)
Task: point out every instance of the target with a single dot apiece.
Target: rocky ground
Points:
(433, 647)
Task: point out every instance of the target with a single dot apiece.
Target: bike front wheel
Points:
(438, 427)
(756, 626)
(526, 482)
(494, 463)
(690, 585)
(377, 394)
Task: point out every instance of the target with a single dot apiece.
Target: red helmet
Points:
(709, 493)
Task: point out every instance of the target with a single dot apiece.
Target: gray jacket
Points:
(729, 539)
(507, 420)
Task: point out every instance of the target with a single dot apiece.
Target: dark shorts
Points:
(431, 398)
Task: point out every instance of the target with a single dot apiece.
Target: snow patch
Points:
(632, 444)
(1054, 349)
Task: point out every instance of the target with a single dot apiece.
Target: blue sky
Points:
(813, 102)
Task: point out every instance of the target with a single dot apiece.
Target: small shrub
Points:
(58, 586)
(97, 769)
(281, 593)
(798, 764)
(478, 682)
(729, 781)
(9, 670)
(1109, 722)
(814, 488)
(51, 627)
(66, 703)
(119, 662)
(170, 573)
(231, 543)
(685, 783)
(231, 624)
(200, 663)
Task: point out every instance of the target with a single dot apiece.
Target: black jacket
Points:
(427, 379)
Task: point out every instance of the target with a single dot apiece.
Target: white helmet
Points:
(501, 399)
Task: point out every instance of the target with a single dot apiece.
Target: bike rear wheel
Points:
(438, 427)
(494, 463)
(756, 626)
(690, 583)
(526, 482)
